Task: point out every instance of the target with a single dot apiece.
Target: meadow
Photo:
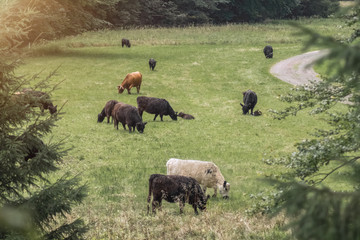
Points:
(201, 71)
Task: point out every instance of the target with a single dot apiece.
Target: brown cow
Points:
(127, 115)
(36, 99)
(185, 116)
(125, 42)
(131, 80)
(107, 111)
(175, 188)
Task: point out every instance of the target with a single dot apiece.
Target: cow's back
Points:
(250, 98)
(201, 171)
(133, 78)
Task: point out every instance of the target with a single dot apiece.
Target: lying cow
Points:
(268, 51)
(185, 116)
(206, 173)
(152, 63)
(250, 100)
(35, 99)
(131, 80)
(157, 106)
(125, 42)
(175, 189)
(257, 113)
(107, 111)
(127, 115)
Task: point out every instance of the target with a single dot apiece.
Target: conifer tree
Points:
(317, 211)
(31, 206)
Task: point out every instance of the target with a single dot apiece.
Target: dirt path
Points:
(298, 70)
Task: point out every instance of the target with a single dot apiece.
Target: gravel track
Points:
(298, 70)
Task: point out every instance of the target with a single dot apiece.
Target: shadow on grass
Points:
(81, 53)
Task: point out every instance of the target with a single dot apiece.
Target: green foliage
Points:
(316, 211)
(31, 205)
(53, 19)
(322, 8)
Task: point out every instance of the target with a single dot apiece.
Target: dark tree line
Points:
(51, 19)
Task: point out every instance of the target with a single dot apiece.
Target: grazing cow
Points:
(131, 80)
(127, 115)
(175, 189)
(107, 111)
(268, 51)
(36, 99)
(125, 42)
(157, 106)
(185, 116)
(206, 173)
(152, 63)
(250, 100)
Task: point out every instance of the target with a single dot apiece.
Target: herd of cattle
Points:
(184, 178)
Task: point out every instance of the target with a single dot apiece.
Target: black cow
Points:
(127, 115)
(157, 106)
(125, 42)
(250, 100)
(185, 116)
(175, 188)
(152, 63)
(107, 110)
(268, 51)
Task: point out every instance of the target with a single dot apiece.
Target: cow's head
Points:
(101, 118)
(174, 116)
(224, 190)
(120, 89)
(140, 126)
(53, 109)
(245, 108)
(202, 200)
(180, 114)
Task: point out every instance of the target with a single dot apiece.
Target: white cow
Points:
(206, 173)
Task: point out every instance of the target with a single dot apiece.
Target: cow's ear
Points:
(145, 123)
(241, 104)
(224, 185)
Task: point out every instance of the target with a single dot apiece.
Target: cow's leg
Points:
(181, 205)
(108, 119)
(195, 209)
(129, 90)
(124, 126)
(161, 117)
(215, 191)
(252, 111)
(138, 89)
(116, 123)
(155, 116)
(154, 204)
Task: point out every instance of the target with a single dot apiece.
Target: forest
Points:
(52, 19)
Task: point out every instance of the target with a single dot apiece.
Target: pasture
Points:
(201, 71)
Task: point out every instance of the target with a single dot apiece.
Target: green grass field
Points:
(201, 71)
